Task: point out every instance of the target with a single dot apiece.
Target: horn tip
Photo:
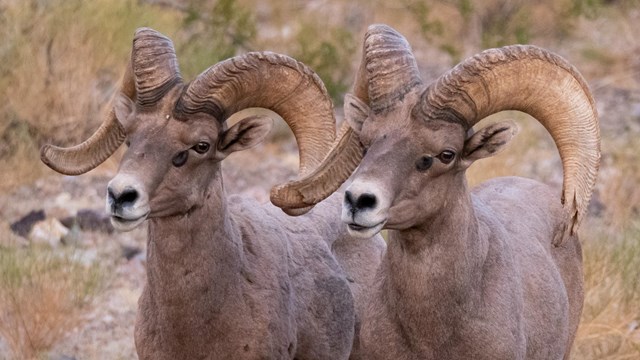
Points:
(45, 154)
(297, 212)
(48, 157)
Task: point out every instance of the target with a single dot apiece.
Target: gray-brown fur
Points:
(227, 278)
(493, 272)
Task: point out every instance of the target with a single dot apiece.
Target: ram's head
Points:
(419, 139)
(177, 133)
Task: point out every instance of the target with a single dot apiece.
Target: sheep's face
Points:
(170, 163)
(412, 167)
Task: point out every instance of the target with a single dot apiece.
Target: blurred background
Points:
(69, 285)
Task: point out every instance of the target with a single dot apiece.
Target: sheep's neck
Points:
(433, 273)
(193, 262)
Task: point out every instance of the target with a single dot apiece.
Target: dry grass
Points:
(610, 326)
(43, 295)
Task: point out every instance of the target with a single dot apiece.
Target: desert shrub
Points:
(213, 31)
(462, 27)
(43, 295)
(330, 53)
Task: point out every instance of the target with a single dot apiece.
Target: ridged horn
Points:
(275, 82)
(155, 66)
(541, 84)
(387, 72)
(152, 70)
(92, 152)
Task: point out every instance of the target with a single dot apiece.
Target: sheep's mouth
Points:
(121, 223)
(364, 231)
(356, 227)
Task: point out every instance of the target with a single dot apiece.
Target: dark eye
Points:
(128, 143)
(424, 163)
(180, 158)
(447, 156)
(202, 147)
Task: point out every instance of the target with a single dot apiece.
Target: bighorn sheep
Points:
(227, 278)
(492, 273)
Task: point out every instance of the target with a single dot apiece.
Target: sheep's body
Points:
(227, 278)
(248, 283)
(429, 303)
(493, 273)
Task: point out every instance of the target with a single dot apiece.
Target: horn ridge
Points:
(389, 68)
(540, 83)
(155, 66)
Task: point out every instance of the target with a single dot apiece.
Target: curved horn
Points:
(152, 70)
(275, 82)
(387, 72)
(541, 84)
(155, 66)
(92, 152)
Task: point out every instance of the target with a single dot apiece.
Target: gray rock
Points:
(23, 226)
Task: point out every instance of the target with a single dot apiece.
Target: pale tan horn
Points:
(275, 82)
(541, 84)
(150, 73)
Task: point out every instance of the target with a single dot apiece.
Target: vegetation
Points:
(43, 295)
(328, 52)
(60, 61)
(211, 35)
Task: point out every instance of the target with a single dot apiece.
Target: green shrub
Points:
(329, 52)
(213, 33)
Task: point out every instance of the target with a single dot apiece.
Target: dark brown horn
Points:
(541, 84)
(155, 66)
(151, 72)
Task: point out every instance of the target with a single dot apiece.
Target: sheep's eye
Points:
(202, 147)
(180, 158)
(424, 163)
(127, 143)
(447, 156)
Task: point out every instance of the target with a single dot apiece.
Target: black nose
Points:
(126, 198)
(362, 202)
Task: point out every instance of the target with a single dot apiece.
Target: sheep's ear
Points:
(243, 135)
(123, 107)
(488, 141)
(355, 112)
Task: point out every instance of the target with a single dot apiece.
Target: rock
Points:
(49, 231)
(596, 206)
(129, 252)
(87, 257)
(61, 357)
(89, 220)
(23, 226)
